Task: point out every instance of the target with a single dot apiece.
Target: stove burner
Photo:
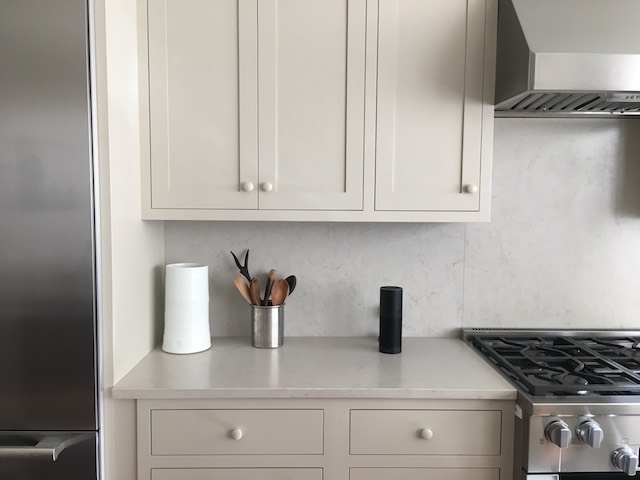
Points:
(573, 365)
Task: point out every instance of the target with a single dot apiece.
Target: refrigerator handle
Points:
(47, 446)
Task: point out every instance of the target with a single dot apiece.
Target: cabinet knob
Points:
(471, 188)
(426, 433)
(266, 187)
(247, 187)
(236, 434)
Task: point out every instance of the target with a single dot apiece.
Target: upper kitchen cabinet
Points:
(255, 105)
(340, 110)
(434, 122)
(203, 103)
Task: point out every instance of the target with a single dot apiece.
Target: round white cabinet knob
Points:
(236, 434)
(266, 187)
(471, 188)
(426, 433)
(247, 187)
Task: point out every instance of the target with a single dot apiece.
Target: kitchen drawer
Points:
(424, 474)
(236, 474)
(425, 432)
(232, 432)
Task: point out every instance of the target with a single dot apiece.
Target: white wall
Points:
(562, 249)
(131, 251)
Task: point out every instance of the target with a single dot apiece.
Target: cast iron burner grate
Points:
(549, 366)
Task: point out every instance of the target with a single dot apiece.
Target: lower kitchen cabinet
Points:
(324, 439)
(237, 474)
(424, 473)
(425, 432)
(259, 432)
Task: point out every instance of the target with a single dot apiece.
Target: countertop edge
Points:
(319, 393)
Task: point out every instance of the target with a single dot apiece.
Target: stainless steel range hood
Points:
(568, 57)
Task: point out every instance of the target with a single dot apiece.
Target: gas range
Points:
(578, 405)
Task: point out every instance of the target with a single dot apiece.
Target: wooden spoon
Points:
(254, 290)
(243, 288)
(279, 292)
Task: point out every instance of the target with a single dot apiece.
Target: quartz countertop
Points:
(317, 367)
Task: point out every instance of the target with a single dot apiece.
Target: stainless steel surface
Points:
(542, 456)
(46, 245)
(567, 57)
(561, 332)
(47, 307)
(267, 326)
(38, 445)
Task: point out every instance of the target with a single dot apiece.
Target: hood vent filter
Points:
(570, 104)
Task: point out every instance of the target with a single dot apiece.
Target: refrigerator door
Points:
(26, 456)
(47, 320)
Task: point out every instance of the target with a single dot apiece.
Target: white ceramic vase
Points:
(186, 308)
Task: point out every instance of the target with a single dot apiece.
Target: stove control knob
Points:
(559, 433)
(590, 433)
(626, 460)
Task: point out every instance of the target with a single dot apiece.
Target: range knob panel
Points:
(558, 433)
(626, 460)
(591, 433)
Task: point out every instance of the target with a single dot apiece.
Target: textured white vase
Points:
(186, 308)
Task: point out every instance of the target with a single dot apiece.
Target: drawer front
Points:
(236, 474)
(425, 432)
(232, 432)
(424, 474)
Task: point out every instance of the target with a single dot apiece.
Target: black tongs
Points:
(244, 269)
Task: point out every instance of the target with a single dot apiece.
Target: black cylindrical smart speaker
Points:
(390, 340)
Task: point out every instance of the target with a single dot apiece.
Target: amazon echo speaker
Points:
(390, 340)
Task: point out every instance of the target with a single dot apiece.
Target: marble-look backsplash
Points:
(562, 248)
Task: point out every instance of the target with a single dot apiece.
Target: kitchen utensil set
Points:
(275, 293)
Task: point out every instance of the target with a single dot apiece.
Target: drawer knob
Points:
(266, 187)
(247, 187)
(236, 434)
(426, 433)
(471, 188)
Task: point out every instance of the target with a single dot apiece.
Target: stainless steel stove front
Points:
(562, 440)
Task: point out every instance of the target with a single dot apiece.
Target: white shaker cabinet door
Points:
(430, 105)
(203, 103)
(311, 104)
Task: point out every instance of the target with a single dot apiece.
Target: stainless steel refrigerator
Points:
(48, 368)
